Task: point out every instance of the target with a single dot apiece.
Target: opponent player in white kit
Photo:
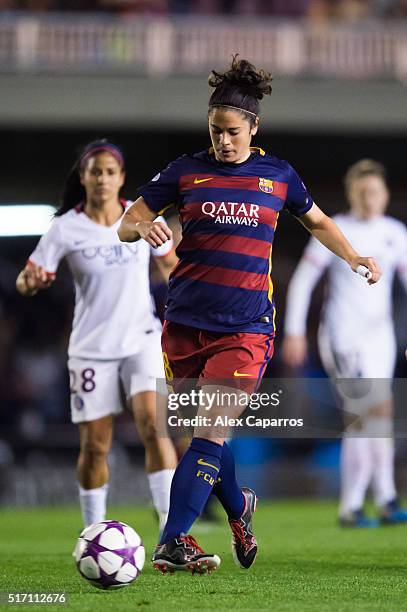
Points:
(356, 339)
(115, 340)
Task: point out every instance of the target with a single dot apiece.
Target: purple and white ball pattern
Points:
(110, 554)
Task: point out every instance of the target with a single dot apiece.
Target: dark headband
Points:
(108, 148)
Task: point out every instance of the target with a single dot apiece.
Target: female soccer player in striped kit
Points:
(115, 339)
(220, 310)
(356, 340)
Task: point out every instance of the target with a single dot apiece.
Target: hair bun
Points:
(245, 76)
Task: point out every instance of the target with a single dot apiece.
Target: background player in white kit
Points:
(115, 339)
(356, 339)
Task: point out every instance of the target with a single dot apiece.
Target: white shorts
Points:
(362, 368)
(99, 387)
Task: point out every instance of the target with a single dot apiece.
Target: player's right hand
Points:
(155, 233)
(294, 350)
(371, 264)
(32, 279)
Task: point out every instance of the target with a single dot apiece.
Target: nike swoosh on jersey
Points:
(202, 462)
(197, 180)
(237, 374)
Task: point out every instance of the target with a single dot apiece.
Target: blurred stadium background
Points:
(135, 71)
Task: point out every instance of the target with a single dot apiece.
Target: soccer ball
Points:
(110, 554)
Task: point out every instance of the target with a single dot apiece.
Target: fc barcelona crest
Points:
(266, 185)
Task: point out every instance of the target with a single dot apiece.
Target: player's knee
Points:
(94, 450)
(147, 429)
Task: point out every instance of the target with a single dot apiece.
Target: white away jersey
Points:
(113, 305)
(351, 305)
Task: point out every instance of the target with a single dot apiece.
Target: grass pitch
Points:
(305, 562)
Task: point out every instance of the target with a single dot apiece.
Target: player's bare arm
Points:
(294, 350)
(328, 233)
(166, 264)
(33, 278)
(138, 222)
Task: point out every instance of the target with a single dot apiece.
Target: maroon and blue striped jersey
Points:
(228, 213)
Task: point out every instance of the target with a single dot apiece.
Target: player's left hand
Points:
(369, 263)
(155, 233)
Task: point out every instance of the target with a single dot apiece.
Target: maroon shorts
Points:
(235, 359)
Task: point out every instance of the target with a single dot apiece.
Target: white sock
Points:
(93, 504)
(160, 487)
(356, 472)
(384, 487)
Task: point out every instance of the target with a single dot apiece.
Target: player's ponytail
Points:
(73, 192)
(241, 87)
